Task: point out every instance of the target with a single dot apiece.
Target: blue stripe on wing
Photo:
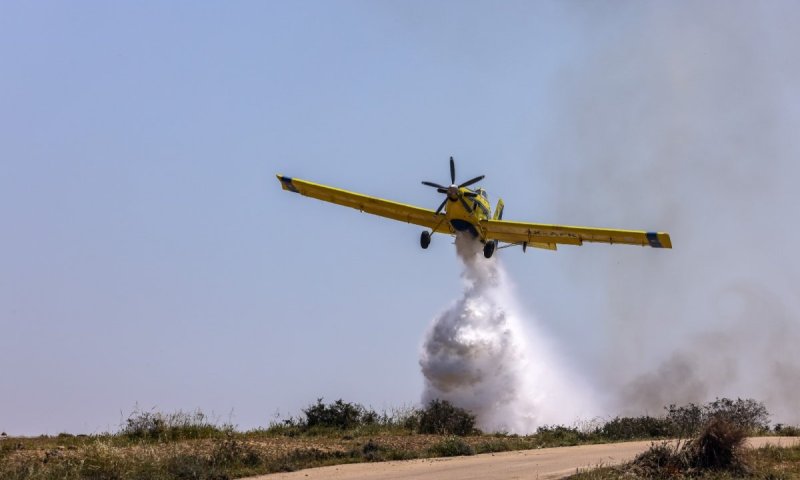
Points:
(652, 239)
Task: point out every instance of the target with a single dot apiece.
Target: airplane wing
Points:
(365, 203)
(548, 236)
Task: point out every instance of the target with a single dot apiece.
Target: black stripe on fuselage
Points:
(483, 207)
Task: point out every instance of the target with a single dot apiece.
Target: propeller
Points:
(444, 202)
(454, 192)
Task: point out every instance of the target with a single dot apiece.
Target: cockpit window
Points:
(483, 194)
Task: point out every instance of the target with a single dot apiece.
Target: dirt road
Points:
(542, 464)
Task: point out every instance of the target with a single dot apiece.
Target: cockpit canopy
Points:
(482, 193)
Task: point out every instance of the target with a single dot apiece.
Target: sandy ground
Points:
(544, 463)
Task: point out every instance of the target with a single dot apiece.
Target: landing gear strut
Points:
(425, 239)
(488, 248)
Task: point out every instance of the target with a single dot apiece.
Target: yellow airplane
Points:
(468, 210)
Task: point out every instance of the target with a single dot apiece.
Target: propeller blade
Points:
(452, 170)
(441, 206)
(470, 182)
(434, 185)
(442, 190)
(470, 194)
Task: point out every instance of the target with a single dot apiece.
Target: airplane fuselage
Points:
(465, 213)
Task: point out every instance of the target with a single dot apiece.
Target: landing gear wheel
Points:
(488, 248)
(425, 239)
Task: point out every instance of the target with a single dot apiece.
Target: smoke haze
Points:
(682, 116)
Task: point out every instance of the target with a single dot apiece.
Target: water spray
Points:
(478, 356)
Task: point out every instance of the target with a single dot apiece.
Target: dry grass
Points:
(718, 452)
(766, 463)
(158, 446)
(231, 456)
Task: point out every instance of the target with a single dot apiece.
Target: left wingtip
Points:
(286, 183)
(659, 240)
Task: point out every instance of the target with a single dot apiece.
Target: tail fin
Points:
(498, 211)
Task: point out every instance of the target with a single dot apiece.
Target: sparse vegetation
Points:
(716, 452)
(631, 428)
(347, 419)
(182, 445)
(745, 414)
(561, 436)
(786, 430)
(718, 446)
(451, 446)
(766, 463)
(157, 426)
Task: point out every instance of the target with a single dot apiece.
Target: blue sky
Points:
(150, 258)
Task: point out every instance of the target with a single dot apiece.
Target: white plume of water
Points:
(478, 356)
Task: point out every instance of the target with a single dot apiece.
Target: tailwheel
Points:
(488, 248)
(425, 239)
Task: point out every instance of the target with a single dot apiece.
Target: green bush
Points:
(629, 428)
(787, 430)
(341, 417)
(494, 445)
(372, 452)
(559, 435)
(686, 419)
(440, 417)
(746, 414)
(339, 414)
(452, 446)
